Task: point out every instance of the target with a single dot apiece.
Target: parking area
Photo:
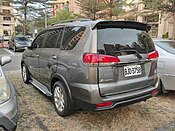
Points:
(36, 112)
(16, 59)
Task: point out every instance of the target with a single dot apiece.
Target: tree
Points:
(89, 8)
(104, 9)
(62, 15)
(29, 8)
(166, 6)
(113, 7)
(18, 29)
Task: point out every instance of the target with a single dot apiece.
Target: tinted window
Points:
(71, 37)
(53, 37)
(115, 41)
(169, 46)
(39, 41)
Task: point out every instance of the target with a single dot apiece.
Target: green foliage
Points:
(161, 5)
(18, 29)
(166, 35)
(28, 9)
(103, 9)
(62, 15)
(113, 7)
(89, 8)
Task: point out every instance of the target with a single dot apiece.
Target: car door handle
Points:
(53, 57)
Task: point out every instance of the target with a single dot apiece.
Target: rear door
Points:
(49, 55)
(133, 69)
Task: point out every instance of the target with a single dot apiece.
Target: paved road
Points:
(16, 59)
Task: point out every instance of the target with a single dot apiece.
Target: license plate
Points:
(133, 70)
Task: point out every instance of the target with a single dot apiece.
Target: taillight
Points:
(99, 58)
(154, 92)
(153, 55)
(109, 103)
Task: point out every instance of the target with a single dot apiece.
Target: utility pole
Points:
(45, 13)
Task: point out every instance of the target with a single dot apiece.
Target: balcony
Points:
(4, 3)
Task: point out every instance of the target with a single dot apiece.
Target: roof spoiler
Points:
(122, 24)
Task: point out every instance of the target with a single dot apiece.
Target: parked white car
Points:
(166, 63)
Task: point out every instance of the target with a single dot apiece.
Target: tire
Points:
(162, 88)
(61, 100)
(14, 48)
(8, 45)
(25, 73)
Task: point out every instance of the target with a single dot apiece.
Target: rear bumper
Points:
(21, 47)
(87, 96)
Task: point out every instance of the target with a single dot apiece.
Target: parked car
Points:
(6, 37)
(94, 65)
(166, 71)
(1, 39)
(19, 43)
(29, 37)
(8, 100)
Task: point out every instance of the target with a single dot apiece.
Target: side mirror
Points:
(5, 60)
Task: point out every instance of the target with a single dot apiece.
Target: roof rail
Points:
(71, 20)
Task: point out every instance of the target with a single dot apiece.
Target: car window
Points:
(20, 39)
(39, 41)
(71, 37)
(111, 41)
(169, 46)
(53, 38)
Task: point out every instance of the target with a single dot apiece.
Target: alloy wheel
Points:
(24, 73)
(59, 98)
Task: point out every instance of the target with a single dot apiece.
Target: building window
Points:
(6, 12)
(152, 18)
(6, 25)
(6, 3)
(7, 18)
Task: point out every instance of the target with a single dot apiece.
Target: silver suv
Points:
(94, 65)
(8, 100)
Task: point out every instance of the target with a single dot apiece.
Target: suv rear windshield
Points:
(169, 46)
(112, 41)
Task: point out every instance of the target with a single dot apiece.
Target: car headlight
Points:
(17, 44)
(4, 90)
(29, 43)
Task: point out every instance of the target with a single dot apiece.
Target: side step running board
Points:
(41, 87)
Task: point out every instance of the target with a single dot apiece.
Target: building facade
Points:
(162, 24)
(6, 18)
(64, 5)
(73, 7)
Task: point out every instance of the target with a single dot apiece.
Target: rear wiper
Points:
(126, 52)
